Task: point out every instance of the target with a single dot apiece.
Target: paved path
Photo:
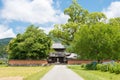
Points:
(61, 72)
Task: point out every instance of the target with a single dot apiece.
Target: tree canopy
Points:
(32, 44)
(100, 41)
(78, 16)
(89, 34)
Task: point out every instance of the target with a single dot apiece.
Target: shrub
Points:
(2, 62)
(111, 68)
(104, 67)
(99, 66)
(91, 66)
(117, 68)
(83, 65)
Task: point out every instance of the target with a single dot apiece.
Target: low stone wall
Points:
(26, 62)
(44, 62)
(79, 61)
(87, 61)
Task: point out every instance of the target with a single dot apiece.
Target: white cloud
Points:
(6, 32)
(46, 29)
(113, 10)
(33, 11)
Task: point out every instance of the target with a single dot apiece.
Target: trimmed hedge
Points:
(111, 67)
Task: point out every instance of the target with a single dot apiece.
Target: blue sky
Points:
(16, 15)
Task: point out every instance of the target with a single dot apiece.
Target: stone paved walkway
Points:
(61, 72)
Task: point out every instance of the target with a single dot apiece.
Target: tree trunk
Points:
(99, 61)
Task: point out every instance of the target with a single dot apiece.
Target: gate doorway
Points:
(57, 60)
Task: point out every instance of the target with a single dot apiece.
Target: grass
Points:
(28, 73)
(39, 75)
(94, 74)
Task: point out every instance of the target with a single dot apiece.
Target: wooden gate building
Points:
(59, 55)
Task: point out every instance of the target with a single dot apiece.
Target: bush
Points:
(104, 67)
(99, 66)
(111, 68)
(2, 62)
(83, 65)
(91, 66)
(117, 68)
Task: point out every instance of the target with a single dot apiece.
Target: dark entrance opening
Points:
(57, 60)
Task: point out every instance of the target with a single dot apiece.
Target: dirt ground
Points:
(12, 78)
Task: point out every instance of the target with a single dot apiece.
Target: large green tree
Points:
(98, 42)
(78, 16)
(32, 44)
(76, 13)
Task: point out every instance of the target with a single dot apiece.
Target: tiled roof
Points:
(58, 46)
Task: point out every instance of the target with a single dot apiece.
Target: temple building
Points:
(58, 56)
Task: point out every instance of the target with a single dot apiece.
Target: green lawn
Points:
(94, 74)
(28, 73)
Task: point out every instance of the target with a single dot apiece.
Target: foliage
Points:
(113, 68)
(104, 67)
(91, 66)
(3, 62)
(88, 34)
(83, 65)
(76, 13)
(32, 44)
(115, 21)
(95, 17)
(65, 32)
(78, 17)
(98, 66)
(117, 68)
(98, 42)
